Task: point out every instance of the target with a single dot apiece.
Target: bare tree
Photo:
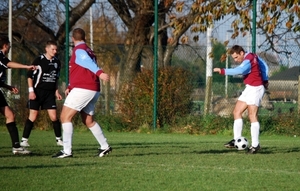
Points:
(276, 17)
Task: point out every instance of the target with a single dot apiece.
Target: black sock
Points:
(14, 134)
(27, 129)
(57, 128)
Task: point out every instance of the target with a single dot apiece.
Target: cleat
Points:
(59, 142)
(62, 154)
(20, 150)
(24, 144)
(103, 152)
(230, 144)
(253, 150)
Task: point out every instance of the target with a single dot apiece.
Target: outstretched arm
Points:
(21, 66)
(243, 69)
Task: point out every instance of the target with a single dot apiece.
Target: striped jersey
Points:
(3, 67)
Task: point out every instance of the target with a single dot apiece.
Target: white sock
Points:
(67, 136)
(255, 134)
(237, 128)
(98, 134)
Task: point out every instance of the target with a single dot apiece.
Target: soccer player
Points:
(255, 75)
(5, 63)
(82, 94)
(43, 88)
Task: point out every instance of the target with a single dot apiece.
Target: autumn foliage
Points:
(135, 100)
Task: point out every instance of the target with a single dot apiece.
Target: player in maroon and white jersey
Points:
(255, 75)
(82, 94)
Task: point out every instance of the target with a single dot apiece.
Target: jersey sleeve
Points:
(85, 61)
(243, 69)
(264, 69)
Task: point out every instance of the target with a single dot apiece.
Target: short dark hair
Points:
(236, 49)
(51, 42)
(78, 34)
(3, 40)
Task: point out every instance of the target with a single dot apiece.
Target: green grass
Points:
(151, 162)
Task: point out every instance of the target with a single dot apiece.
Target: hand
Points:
(13, 89)
(58, 96)
(104, 77)
(217, 70)
(31, 67)
(31, 96)
(266, 85)
(67, 91)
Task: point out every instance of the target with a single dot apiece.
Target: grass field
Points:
(151, 162)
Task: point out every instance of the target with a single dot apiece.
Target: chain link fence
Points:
(282, 96)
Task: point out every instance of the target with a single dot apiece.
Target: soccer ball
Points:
(241, 143)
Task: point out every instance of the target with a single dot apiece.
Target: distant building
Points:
(284, 85)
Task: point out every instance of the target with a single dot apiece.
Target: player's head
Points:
(78, 34)
(4, 44)
(237, 53)
(51, 48)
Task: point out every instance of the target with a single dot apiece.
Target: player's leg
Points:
(66, 116)
(29, 123)
(255, 126)
(13, 131)
(75, 101)
(253, 107)
(11, 126)
(87, 118)
(96, 130)
(56, 126)
(238, 111)
(33, 106)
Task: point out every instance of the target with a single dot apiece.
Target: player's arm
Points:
(243, 69)
(30, 76)
(264, 70)
(57, 94)
(31, 94)
(85, 61)
(21, 66)
(10, 88)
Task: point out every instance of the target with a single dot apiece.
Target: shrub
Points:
(135, 99)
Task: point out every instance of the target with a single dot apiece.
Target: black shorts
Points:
(45, 99)
(3, 102)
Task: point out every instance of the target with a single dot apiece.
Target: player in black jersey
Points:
(43, 88)
(5, 110)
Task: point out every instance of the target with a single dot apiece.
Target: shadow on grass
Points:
(151, 148)
(169, 148)
(263, 150)
(44, 166)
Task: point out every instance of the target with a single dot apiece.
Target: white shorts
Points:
(82, 100)
(252, 95)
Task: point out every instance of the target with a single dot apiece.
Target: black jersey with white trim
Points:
(3, 67)
(46, 74)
